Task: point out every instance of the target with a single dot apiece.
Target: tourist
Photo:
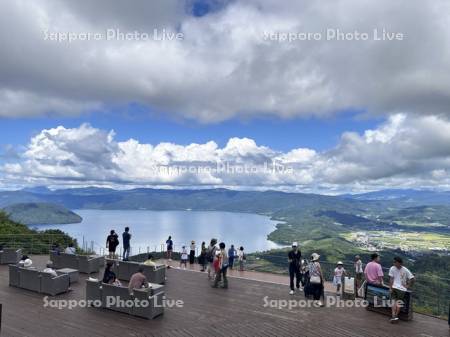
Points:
(373, 271)
(339, 272)
(400, 280)
(70, 249)
(222, 267)
(210, 254)
(202, 258)
(192, 253)
(241, 258)
(138, 280)
(169, 245)
(149, 261)
(231, 256)
(316, 278)
(112, 241)
(126, 237)
(358, 272)
(108, 276)
(56, 248)
(184, 257)
(294, 259)
(49, 269)
(25, 262)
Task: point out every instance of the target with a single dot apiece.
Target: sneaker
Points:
(300, 289)
(394, 320)
(321, 304)
(291, 292)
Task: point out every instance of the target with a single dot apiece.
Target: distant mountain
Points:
(41, 214)
(162, 199)
(222, 199)
(418, 197)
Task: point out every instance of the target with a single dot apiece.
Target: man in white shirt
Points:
(400, 280)
(70, 250)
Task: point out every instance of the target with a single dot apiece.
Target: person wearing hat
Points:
(316, 278)
(339, 272)
(184, 257)
(192, 253)
(295, 258)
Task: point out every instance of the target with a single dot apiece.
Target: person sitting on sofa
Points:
(25, 262)
(70, 249)
(49, 269)
(149, 261)
(138, 280)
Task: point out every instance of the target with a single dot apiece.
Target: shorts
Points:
(397, 294)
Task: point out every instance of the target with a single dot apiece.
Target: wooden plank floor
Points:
(238, 311)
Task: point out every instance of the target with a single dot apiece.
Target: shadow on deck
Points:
(238, 311)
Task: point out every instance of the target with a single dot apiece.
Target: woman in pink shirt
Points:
(374, 272)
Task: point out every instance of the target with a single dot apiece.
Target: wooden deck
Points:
(238, 311)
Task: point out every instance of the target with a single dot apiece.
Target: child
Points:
(184, 257)
(337, 279)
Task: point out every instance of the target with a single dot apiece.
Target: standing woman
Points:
(202, 258)
(241, 258)
(192, 253)
(210, 255)
(112, 241)
(316, 278)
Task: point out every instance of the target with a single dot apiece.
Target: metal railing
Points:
(431, 292)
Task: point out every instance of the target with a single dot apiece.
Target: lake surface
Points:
(151, 228)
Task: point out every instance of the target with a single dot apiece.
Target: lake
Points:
(151, 228)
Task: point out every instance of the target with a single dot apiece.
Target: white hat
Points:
(340, 262)
(294, 244)
(27, 263)
(315, 256)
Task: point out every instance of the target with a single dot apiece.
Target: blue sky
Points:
(231, 90)
(283, 135)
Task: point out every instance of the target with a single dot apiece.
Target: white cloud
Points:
(405, 151)
(224, 68)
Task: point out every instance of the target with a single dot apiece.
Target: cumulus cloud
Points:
(404, 151)
(224, 67)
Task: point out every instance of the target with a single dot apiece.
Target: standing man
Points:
(112, 241)
(358, 272)
(169, 244)
(373, 271)
(231, 256)
(126, 237)
(294, 258)
(400, 280)
(223, 266)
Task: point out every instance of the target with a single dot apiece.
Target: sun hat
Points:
(315, 256)
(294, 244)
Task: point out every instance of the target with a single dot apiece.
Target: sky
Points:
(326, 97)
